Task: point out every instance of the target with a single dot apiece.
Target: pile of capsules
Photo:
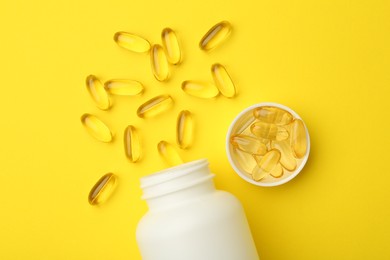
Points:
(161, 57)
(269, 143)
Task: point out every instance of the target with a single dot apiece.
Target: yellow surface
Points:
(327, 60)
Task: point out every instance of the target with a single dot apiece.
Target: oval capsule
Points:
(215, 36)
(287, 159)
(132, 144)
(102, 190)
(223, 80)
(132, 42)
(155, 106)
(123, 87)
(298, 138)
(199, 89)
(269, 131)
(96, 128)
(185, 129)
(169, 153)
(273, 115)
(265, 164)
(171, 46)
(97, 92)
(248, 144)
(159, 63)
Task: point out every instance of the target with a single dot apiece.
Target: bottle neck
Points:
(177, 184)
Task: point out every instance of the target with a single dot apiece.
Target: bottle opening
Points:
(175, 178)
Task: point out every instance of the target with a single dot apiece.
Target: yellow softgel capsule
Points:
(199, 89)
(269, 131)
(169, 153)
(185, 129)
(132, 42)
(265, 164)
(155, 106)
(298, 138)
(215, 36)
(123, 87)
(159, 63)
(273, 115)
(102, 190)
(248, 144)
(132, 144)
(98, 93)
(171, 46)
(287, 160)
(245, 160)
(277, 172)
(223, 81)
(96, 128)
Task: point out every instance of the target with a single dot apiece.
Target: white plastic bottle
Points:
(188, 219)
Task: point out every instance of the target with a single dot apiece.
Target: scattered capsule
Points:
(245, 160)
(185, 129)
(277, 172)
(98, 93)
(169, 153)
(223, 81)
(269, 131)
(199, 89)
(287, 160)
(131, 42)
(273, 115)
(171, 46)
(96, 128)
(123, 87)
(265, 164)
(132, 144)
(159, 62)
(155, 106)
(215, 36)
(102, 190)
(298, 138)
(248, 144)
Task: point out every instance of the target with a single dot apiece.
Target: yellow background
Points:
(327, 60)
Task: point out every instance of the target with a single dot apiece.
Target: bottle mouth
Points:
(175, 178)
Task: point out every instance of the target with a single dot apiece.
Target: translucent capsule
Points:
(185, 129)
(96, 128)
(277, 172)
(273, 115)
(269, 131)
(102, 190)
(123, 87)
(215, 36)
(199, 89)
(155, 106)
(169, 153)
(287, 160)
(131, 42)
(245, 160)
(265, 164)
(298, 138)
(223, 81)
(171, 46)
(98, 93)
(248, 144)
(159, 62)
(132, 144)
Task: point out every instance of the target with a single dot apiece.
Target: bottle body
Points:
(194, 221)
